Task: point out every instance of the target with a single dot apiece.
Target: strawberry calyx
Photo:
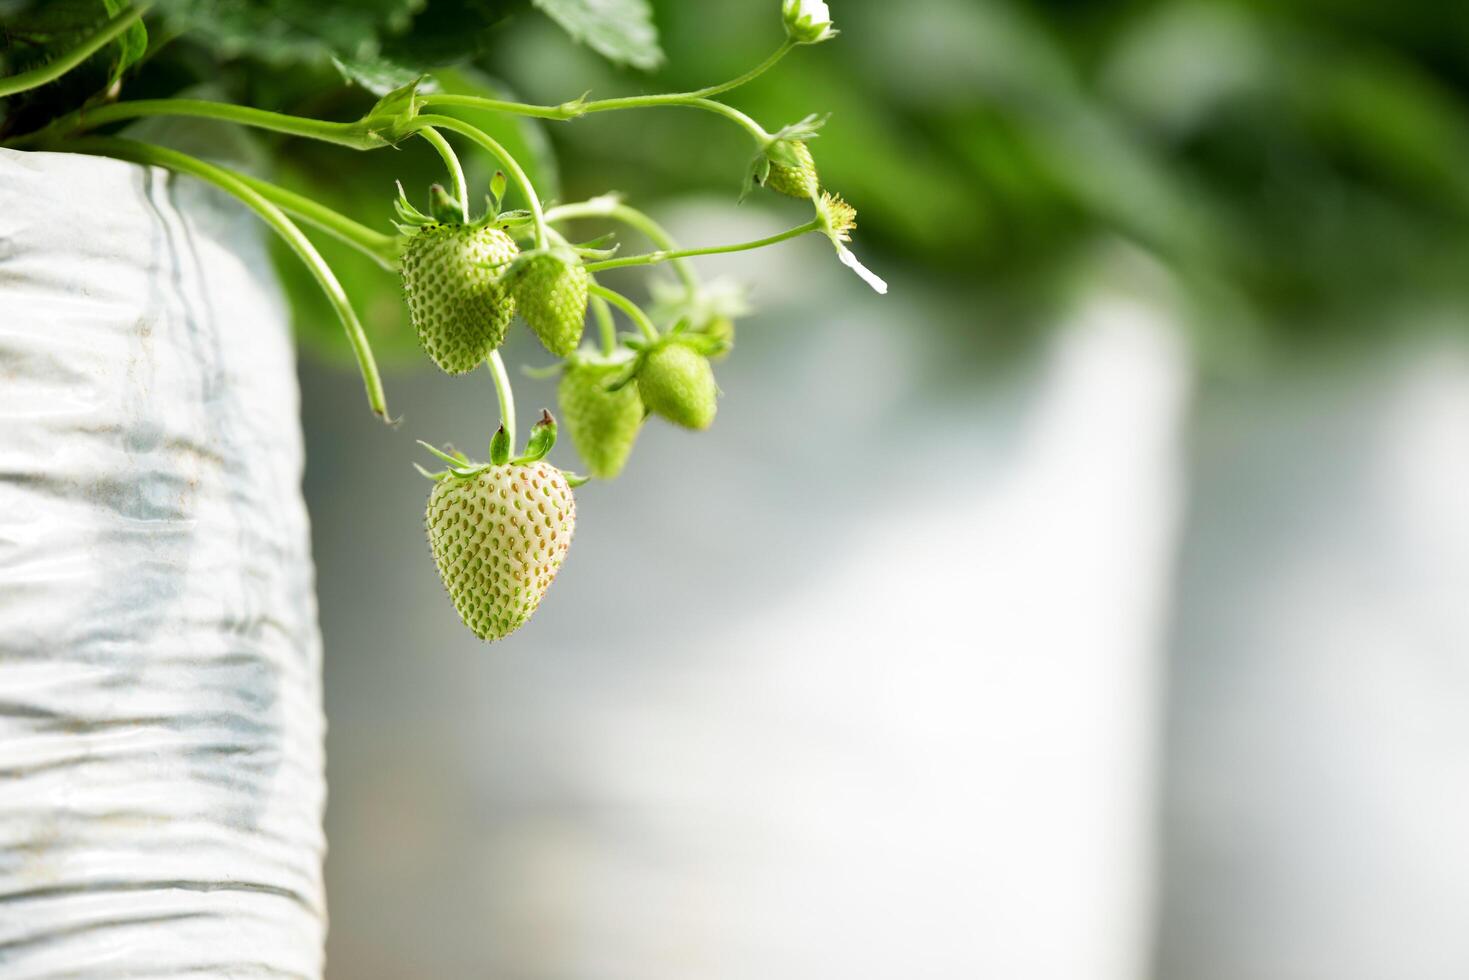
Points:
(710, 308)
(444, 210)
(390, 118)
(500, 447)
(697, 341)
(443, 207)
(542, 439)
(461, 467)
(564, 254)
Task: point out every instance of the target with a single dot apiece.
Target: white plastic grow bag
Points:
(161, 765)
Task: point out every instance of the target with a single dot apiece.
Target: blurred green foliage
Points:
(1303, 165)
(1300, 165)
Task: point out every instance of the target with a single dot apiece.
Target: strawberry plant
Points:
(469, 265)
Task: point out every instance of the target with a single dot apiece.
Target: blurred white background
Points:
(870, 681)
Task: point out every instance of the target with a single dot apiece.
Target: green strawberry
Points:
(499, 534)
(451, 279)
(798, 180)
(603, 424)
(550, 290)
(457, 304)
(676, 382)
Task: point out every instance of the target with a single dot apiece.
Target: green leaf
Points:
(382, 77)
(285, 31)
(446, 32)
(619, 30)
(33, 34)
(131, 46)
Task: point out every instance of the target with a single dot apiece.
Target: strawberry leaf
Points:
(384, 78)
(129, 48)
(619, 30)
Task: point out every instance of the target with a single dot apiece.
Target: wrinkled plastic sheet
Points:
(161, 766)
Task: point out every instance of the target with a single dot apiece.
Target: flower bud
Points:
(807, 21)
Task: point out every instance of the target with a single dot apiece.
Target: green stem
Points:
(504, 394)
(571, 110)
(357, 135)
(692, 102)
(146, 153)
(698, 98)
(627, 306)
(512, 166)
(650, 258)
(750, 75)
(605, 326)
(458, 187)
(562, 112)
(377, 246)
(608, 207)
(36, 77)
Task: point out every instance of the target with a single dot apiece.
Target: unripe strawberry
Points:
(459, 308)
(499, 534)
(796, 179)
(550, 290)
(677, 383)
(603, 424)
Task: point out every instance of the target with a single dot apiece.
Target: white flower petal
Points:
(868, 276)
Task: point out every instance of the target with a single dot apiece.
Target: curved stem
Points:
(458, 187)
(356, 135)
(147, 153)
(650, 258)
(750, 75)
(691, 101)
(605, 326)
(36, 77)
(608, 207)
(512, 166)
(504, 394)
(627, 306)
(377, 246)
(571, 110)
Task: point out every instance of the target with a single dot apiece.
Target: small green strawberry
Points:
(451, 279)
(550, 290)
(793, 172)
(676, 382)
(603, 424)
(499, 532)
